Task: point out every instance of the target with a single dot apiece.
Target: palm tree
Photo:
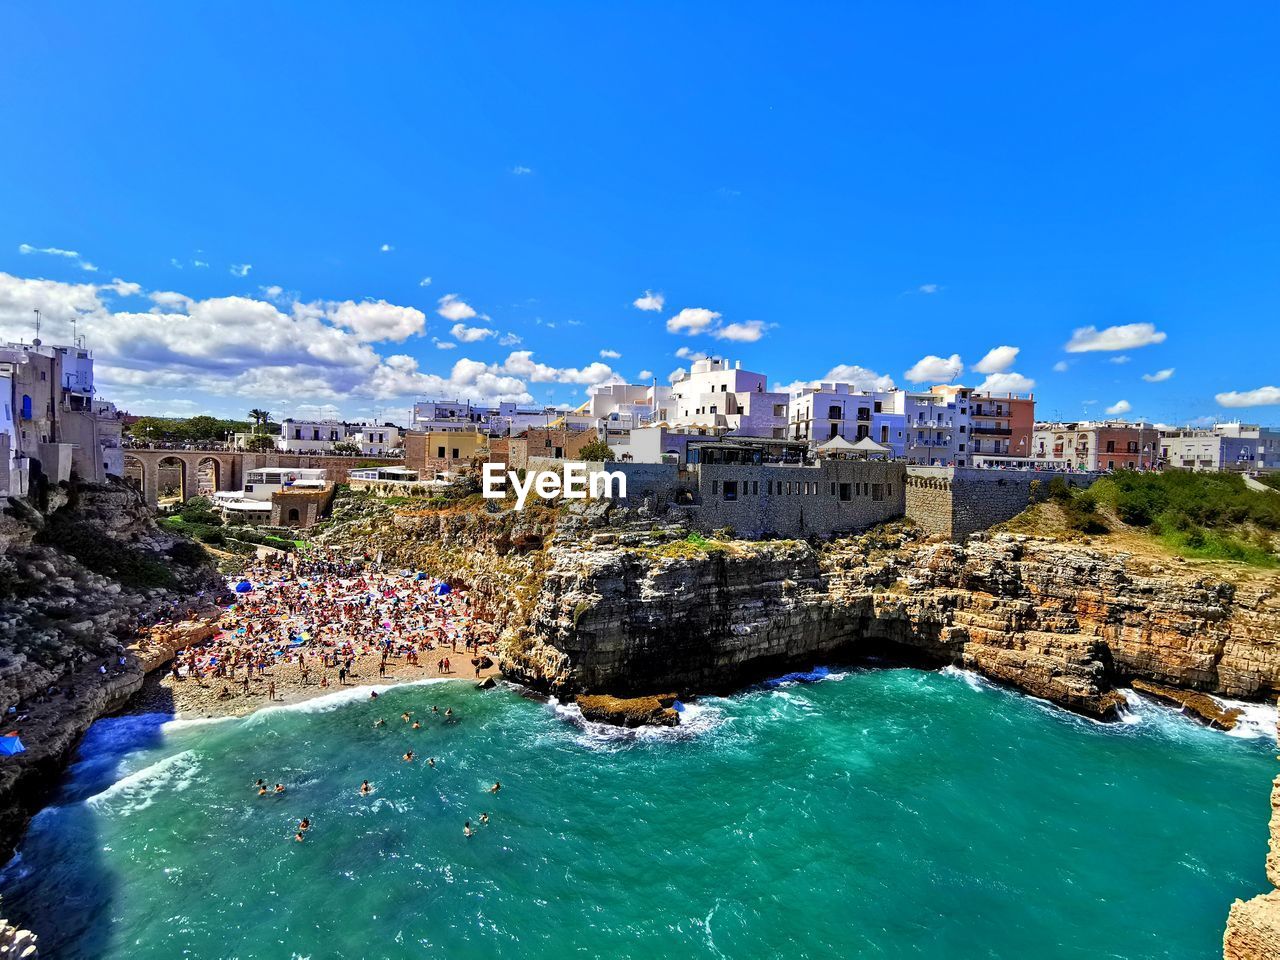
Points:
(260, 417)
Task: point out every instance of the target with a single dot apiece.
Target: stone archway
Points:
(208, 476)
(172, 480)
(135, 473)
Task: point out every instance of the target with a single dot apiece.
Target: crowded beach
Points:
(300, 625)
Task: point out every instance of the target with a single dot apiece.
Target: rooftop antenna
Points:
(36, 341)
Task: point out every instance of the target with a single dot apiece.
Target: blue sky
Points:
(846, 185)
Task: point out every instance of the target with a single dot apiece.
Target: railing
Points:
(992, 431)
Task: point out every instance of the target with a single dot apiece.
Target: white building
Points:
(938, 427)
(819, 413)
(320, 436)
(1264, 441)
(498, 420)
(253, 503)
(716, 395)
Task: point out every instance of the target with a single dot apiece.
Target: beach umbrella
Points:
(244, 586)
(442, 589)
(10, 744)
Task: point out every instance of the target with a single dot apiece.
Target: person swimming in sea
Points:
(416, 726)
(496, 787)
(431, 761)
(435, 709)
(379, 723)
(484, 818)
(448, 712)
(466, 829)
(405, 716)
(365, 789)
(298, 836)
(373, 694)
(279, 788)
(304, 824)
(408, 757)
(262, 790)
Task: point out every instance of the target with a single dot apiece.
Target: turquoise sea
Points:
(878, 813)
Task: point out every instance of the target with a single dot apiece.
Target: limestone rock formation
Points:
(1060, 621)
(78, 572)
(630, 711)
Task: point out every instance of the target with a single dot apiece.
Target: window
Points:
(755, 488)
(731, 490)
(26, 407)
(833, 488)
(715, 488)
(455, 453)
(1111, 464)
(768, 487)
(1111, 446)
(877, 491)
(834, 413)
(440, 452)
(879, 407)
(846, 492)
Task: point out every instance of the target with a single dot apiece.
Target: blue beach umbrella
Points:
(442, 589)
(244, 586)
(10, 744)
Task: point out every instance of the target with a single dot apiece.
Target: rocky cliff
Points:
(80, 569)
(1065, 622)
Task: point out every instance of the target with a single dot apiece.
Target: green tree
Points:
(260, 444)
(260, 417)
(596, 450)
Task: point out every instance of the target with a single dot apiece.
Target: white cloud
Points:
(509, 340)
(386, 248)
(692, 320)
(929, 288)
(747, 332)
(997, 360)
(122, 288)
(679, 373)
(86, 265)
(1120, 407)
(1263, 396)
(1009, 382)
(1160, 376)
(460, 331)
(644, 375)
(1120, 359)
(26, 248)
(521, 364)
(610, 354)
(650, 301)
(424, 282)
(1062, 366)
(451, 308)
(445, 345)
(1127, 336)
(688, 353)
(520, 171)
(375, 320)
(169, 301)
(199, 263)
(241, 269)
(936, 369)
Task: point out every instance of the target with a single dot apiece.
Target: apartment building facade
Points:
(719, 395)
(827, 410)
(1097, 445)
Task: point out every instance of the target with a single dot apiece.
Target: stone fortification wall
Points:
(954, 502)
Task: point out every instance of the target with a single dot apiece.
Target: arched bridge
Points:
(220, 469)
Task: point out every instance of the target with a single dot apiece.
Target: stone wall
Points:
(837, 496)
(954, 502)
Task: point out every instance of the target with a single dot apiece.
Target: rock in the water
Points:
(1201, 706)
(630, 711)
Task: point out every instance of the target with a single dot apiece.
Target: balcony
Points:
(983, 430)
